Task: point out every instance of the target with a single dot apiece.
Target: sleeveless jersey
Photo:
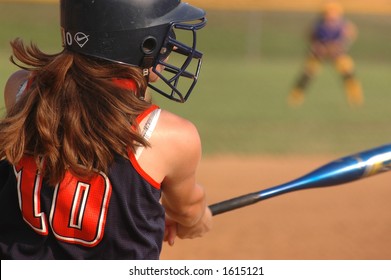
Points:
(109, 216)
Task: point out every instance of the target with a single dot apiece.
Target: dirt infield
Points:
(351, 221)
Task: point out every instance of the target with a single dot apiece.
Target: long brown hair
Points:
(73, 115)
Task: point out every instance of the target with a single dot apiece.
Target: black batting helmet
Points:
(140, 33)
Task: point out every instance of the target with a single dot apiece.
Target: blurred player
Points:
(90, 168)
(329, 41)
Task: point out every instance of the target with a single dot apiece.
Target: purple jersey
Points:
(324, 32)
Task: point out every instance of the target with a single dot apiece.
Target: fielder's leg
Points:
(345, 66)
(311, 68)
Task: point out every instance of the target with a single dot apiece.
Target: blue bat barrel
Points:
(341, 171)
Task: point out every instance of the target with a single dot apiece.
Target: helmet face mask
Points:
(179, 62)
(140, 33)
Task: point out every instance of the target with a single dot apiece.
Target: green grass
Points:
(235, 117)
(251, 61)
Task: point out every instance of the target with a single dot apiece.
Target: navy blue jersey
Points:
(109, 216)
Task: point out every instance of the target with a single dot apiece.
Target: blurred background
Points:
(253, 52)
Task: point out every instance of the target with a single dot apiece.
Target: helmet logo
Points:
(81, 39)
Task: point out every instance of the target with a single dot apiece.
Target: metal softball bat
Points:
(340, 171)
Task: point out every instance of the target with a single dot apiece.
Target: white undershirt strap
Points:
(148, 129)
(21, 90)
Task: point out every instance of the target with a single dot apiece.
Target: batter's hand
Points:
(174, 229)
(170, 231)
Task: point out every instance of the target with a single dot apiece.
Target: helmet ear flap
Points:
(149, 44)
(148, 47)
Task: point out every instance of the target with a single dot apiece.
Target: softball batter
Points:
(90, 168)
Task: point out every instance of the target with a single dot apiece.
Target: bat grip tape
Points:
(234, 203)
